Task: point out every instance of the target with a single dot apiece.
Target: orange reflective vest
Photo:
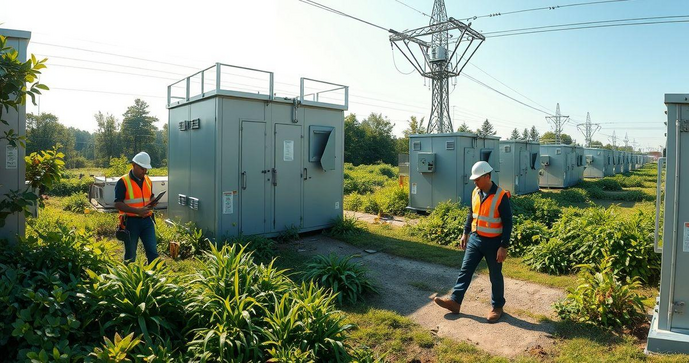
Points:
(486, 217)
(134, 196)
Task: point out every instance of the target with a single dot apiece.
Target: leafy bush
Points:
(538, 206)
(596, 192)
(70, 185)
(345, 226)
(346, 279)
(445, 224)
(547, 210)
(552, 257)
(391, 199)
(40, 285)
(261, 248)
(137, 298)
(633, 181)
(190, 239)
(364, 179)
(574, 195)
(525, 234)
(602, 299)
(609, 184)
(353, 202)
(76, 203)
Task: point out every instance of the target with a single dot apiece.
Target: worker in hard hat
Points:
(133, 196)
(486, 235)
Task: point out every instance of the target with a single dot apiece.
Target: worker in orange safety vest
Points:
(490, 223)
(133, 195)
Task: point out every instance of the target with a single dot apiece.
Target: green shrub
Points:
(391, 199)
(261, 248)
(145, 299)
(369, 204)
(191, 240)
(445, 224)
(345, 226)
(525, 234)
(547, 210)
(552, 257)
(603, 299)
(574, 195)
(76, 203)
(633, 181)
(596, 192)
(349, 281)
(609, 184)
(40, 288)
(353, 202)
(70, 185)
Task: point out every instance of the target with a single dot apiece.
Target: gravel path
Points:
(406, 287)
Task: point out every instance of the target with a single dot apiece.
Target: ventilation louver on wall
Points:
(449, 145)
(322, 146)
(416, 146)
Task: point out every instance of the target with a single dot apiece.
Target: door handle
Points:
(274, 177)
(306, 173)
(244, 180)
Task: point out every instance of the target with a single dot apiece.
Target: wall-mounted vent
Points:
(183, 125)
(196, 123)
(449, 145)
(182, 199)
(507, 149)
(416, 145)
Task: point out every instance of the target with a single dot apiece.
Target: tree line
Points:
(136, 132)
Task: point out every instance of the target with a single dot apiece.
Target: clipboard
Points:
(156, 199)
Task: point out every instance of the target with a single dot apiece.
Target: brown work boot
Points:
(494, 315)
(448, 304)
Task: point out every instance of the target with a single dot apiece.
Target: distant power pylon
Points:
(613, 140)
(588, 129)
(437, 63)
(558, 122)
(626, 140)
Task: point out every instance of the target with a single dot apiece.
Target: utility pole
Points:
(558, 122)
(613, 140)
(438, 62)
(588, 129)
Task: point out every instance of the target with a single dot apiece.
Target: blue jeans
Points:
(140, 228)
(477, 248)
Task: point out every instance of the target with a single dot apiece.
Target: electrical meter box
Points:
(669, 332)
(245, 162)
(12, 167)
(451, 157)
(425, 163)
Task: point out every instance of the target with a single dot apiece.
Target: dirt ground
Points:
(406, 287)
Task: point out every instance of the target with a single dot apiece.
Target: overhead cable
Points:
(552, 7)
(417, 10)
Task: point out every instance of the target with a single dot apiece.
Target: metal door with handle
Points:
(253, 177)
(286, 177)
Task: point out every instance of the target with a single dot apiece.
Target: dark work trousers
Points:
(477, 248)
(143, 228)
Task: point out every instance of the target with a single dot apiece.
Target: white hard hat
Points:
(143, 160)
(479, 169)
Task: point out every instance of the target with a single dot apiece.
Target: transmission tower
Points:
(558, 122)
(613, 140)
(588, 129)
(626, 140)
(438, 62)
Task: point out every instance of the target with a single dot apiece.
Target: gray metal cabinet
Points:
(249, 163)
(519, 166)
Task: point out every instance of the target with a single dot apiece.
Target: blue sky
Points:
(619, 75)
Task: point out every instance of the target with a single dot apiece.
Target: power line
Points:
(503, 94)
(592, 27)
(334, 11)
(554, 7)
(410, 7)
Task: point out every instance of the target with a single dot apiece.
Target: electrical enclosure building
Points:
(625, 162)
(519, 165)
(440, 167)
(12, 167)
(242, 161)
(609, 166)
(579, 165)
(618, 161)
(669, 332)
(596, 163)
(558, 166)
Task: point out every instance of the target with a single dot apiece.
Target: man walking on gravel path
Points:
(490, 223)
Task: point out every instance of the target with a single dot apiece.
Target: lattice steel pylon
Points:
(588, 129)
(558, 122)
(613, 139)
(437, 64)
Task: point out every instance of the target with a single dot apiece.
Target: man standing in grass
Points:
(133, 193)
(490, 223)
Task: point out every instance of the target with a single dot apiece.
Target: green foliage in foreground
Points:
(603, 299)
(67, 300)
(444, 226)
(364, 179)
(348, 280)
